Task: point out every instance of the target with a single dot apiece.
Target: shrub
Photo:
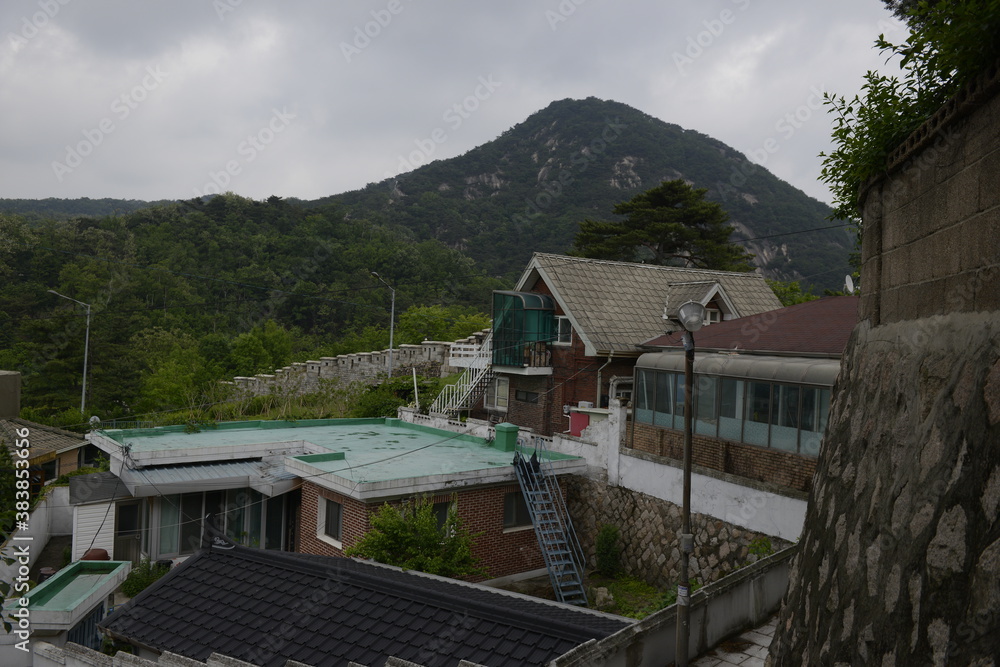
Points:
(141, 576)
(609, 559)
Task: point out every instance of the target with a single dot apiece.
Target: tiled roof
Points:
(819, 327)
(46, 441)
(616, 305)
(267, 607)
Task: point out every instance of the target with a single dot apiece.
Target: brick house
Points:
(306, 486)
(763, 391)
(564, 339)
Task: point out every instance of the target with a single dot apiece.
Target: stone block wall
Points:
(763, 464)
(648, 530)
(430, 358)
(900, 556)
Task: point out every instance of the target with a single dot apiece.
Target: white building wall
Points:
(726, 499)
(94, 528)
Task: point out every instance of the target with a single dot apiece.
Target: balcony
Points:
(523, 329)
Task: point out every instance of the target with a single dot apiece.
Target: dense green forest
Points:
(185, 294)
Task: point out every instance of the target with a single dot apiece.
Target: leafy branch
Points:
(950, 43)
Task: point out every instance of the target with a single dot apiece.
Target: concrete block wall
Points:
(932, 227)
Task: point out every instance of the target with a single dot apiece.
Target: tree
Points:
(668, 225)
(790, 293)
(409, 536)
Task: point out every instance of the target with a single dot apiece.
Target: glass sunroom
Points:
(524, 325)
(775, 402)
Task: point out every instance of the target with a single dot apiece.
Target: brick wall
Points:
(502, 552)
(760, 463)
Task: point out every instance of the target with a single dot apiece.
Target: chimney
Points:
(506, 439)
(10, 394)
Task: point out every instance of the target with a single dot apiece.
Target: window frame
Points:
(490, 400)
(513, 502)
(322, 521)
(563, 334)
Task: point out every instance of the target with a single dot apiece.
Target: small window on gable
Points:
(564, 330)
(712, 316)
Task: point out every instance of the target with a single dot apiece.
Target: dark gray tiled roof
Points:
(267, 607)
(616, 305)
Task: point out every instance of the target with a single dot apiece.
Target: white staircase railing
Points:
(471, 383)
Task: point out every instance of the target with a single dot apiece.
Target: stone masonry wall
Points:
(430, 358)
(900, 556)
(648, 530)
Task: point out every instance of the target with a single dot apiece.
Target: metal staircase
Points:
(553, 526)
(471, 384)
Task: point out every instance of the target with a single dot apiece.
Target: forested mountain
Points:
(184, 294)
(529, 189)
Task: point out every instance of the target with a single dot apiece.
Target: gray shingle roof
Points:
(46, 441)
(267, 607)
(614, 306)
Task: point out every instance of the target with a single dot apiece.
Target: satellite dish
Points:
(95, 422)
(848, 284)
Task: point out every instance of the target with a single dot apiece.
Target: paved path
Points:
(747, 650)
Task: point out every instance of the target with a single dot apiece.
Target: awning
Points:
(268, 478)
(789, 370)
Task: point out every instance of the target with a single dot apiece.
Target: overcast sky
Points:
(158, 99)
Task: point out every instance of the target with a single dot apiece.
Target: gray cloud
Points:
(309, 98)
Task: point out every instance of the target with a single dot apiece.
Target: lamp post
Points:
(392, 316)
(691, 316)
(86, 349)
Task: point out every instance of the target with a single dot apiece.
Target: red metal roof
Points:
(819, 327)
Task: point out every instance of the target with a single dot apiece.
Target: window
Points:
(712, 316)
(497, 394)
(564, 330)
(515, 511)
(780, 416)
(331, 520)
(526, 396)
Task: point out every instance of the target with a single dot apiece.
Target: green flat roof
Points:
(373, 450)
(73, 585)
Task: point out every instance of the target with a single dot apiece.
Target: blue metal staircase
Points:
(553, 526)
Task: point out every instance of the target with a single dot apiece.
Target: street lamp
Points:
(392, 316)
(691, 316)
(86, 349)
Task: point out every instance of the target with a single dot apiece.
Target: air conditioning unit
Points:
(586, 404)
